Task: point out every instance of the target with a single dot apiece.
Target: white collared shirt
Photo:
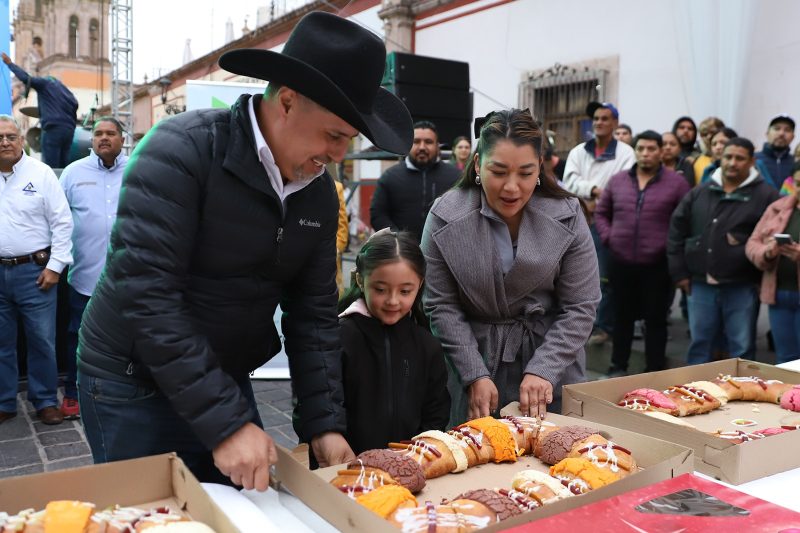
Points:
(92, 192)
(34, 214)
(267, 159)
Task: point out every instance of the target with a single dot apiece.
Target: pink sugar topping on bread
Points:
(656, 398)
(791, 399)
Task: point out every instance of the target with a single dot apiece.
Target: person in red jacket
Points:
(632, 218)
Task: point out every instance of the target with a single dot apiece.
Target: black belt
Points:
(23, 259)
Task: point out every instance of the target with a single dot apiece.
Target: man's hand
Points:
(534, 395)
(331, 449)
(685, 285)
(246, 456)
(790, 251)
(5, 57)
(483, 398)
(47, 279)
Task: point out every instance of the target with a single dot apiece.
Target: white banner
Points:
(217, 94)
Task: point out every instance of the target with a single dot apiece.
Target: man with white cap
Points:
(224, 214)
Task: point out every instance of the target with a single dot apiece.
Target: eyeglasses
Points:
(10, 137)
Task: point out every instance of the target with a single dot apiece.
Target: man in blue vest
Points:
(57, 114)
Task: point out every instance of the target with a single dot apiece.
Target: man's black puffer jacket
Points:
(200, 256)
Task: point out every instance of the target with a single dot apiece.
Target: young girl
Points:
(395, 381)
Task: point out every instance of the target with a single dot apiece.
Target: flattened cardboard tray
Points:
(716, 457)
(659, 460)
(160, 480)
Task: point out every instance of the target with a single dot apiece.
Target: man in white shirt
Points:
(92, 188)
(590, 166)
(35, 228)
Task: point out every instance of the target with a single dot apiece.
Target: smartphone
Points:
(783, 238)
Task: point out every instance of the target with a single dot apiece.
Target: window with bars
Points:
(73, 37)
(558, 98)
(94, 26)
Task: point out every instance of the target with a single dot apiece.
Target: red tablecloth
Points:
(674, 505)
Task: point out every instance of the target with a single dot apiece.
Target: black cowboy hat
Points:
(339, 65)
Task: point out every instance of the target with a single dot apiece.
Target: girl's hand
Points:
(483, 398)
(534, 395)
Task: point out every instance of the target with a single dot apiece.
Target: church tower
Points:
(66, 39)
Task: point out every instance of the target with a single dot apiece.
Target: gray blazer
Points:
(541, 311)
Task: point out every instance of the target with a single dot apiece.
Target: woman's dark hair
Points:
(381, 249)
(727, 132)
(458, 140)
(519, 127)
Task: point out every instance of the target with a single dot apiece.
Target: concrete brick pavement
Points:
(28, 447)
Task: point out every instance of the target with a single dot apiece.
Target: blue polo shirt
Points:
(92, 192)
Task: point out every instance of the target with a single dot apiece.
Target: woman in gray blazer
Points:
(511, 286)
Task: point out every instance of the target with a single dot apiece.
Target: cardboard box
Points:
(719, 458)
(160, 480)
(685, 503)
(658, 459)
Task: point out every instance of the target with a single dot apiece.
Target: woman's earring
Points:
(477, 180)
(538, 182)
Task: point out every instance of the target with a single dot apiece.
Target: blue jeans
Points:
(20, 298)
(56, 144)
(784, 319)
(77, 305)
(125, 420)
(711, 306)
(604, 319)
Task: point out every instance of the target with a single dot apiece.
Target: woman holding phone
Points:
(774, 247)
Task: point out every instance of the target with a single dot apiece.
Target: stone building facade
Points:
(67, 39)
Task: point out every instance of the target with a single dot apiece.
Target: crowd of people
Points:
(482, 285)
(671, 212)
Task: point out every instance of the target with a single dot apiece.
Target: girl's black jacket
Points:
(395, 381)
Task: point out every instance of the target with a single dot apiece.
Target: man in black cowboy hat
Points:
(223, 215)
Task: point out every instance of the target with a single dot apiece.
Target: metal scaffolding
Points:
(122, 66)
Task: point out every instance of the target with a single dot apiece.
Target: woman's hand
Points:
(790, 251)
(771, 251)
(482, 398)
(534, 395)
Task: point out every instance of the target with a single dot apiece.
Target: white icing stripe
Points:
(711, 388)
(534, 476)
(452, 444)
(419, 519)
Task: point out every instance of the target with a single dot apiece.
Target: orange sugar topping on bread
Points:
(583, 468)
(385, 500)
(499, 435)
(66, 516)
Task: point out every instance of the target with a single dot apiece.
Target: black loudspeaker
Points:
(425, 101)
(422, 70)
(432, 89)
